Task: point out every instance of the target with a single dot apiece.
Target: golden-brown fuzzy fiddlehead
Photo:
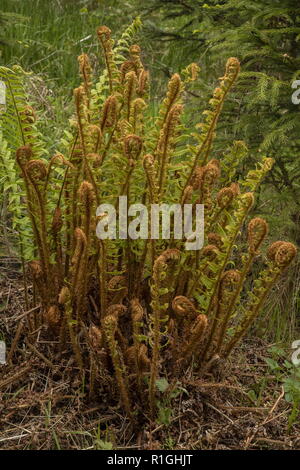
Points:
(183, 307)
(197, 332)
(104, 36)
(257, 232)
(149, 166)
(36, 173)
(143, 83)
(129, 92)
(209, 126)
(174, 92)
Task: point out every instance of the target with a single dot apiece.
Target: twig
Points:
(40, 355)
(15, 341)
(34, 309)
(219, 411)
(15, 377)
(14, 437)
(266, 420)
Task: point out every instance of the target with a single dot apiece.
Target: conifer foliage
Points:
(265, 37)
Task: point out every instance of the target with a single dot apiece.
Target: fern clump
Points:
(133, 310)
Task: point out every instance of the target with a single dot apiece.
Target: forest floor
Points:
(42, 404)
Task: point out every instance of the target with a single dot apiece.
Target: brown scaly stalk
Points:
(23, 156)
(137, 314)
(132, 146)
(163, 148)
(110, 325)
(65, 300)
(158, 316)
(257, 232)
(68, 188)
(71, 197)
(174, 93)
(197, 332)
(109, 113)
(95, 137)
(84, 130)
(110, 119)
(151, 194)
(102, 272)
(56, 226)
(95, 340)
(36, 172)
(87, 197)
(58, 158)
(217, 102)
(280, 255)
(228, 287)
(130, 87)
(247, 201)
(203, 180)
(82, 115)
(152, 184)
(36, 273)
(78, 259)
(209, 176)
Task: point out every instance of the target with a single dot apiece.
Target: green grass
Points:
(45, 37)
(54, 32)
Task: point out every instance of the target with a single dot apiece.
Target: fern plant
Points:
(133, 310)
(265, 35)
